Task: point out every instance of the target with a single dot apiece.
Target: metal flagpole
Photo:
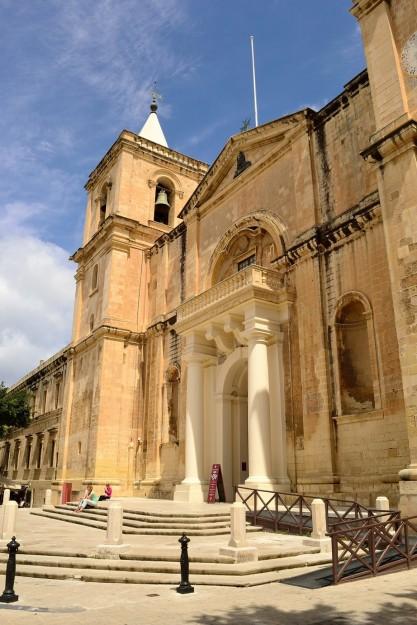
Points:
(255, 102)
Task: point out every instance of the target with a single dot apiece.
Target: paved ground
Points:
(38, 532)
(386, 600)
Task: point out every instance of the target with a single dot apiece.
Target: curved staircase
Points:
(140, 522)
(143, 568)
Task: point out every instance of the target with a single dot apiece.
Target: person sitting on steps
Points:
(89, 500)
(107, 493)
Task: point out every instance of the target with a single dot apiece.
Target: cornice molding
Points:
(342, 100)
(393, 141)
(157, 329)
(328, 237)
(51, 365)
(129, 141)
(363, 7)
(43, 424)
(166, 238)
(108, 235)
(107, 332)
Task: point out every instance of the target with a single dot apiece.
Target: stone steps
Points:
(165, 516)
(150, 520)
(134, 522)
(145, 570)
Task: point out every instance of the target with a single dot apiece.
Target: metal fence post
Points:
(185, 586)
(9, 595)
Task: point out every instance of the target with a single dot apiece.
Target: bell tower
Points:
(389, 31)
(134, 196)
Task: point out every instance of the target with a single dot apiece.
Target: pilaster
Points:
(393, 151)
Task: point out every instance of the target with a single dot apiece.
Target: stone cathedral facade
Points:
(260, 313)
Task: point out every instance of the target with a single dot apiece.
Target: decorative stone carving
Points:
(245, 227)
(241, 164)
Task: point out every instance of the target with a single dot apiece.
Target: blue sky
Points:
(75, 73)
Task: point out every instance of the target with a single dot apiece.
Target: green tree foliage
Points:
(14, 409)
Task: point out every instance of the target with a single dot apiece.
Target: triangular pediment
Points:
(241, 155)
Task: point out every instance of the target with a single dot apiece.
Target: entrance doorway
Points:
(233, 382)
(239, 429)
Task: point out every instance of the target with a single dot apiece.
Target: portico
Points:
(235, 412)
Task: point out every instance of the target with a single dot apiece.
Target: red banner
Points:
(216, 484)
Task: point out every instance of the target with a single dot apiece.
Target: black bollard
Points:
(185, 586)
(9, 595)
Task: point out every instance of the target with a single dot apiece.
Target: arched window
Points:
(94, 278)
(358, 377)
(164, 201)
(91, 323)
(257, 238)
(252, 245)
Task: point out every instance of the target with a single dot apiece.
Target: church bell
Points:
(162, 199)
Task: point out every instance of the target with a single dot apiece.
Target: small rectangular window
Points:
(39, 455)
(44, 395)
(28, 454)
(52, 453)
(246, 262)
(57, 394)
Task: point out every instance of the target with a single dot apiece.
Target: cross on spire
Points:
(151, 129)
(155, 97)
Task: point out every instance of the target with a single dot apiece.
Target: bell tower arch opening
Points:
(164, 201)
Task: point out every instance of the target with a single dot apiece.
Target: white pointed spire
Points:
(151, 129)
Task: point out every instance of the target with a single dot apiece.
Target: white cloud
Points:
(90, 56)
(119, 49)
(36, 298)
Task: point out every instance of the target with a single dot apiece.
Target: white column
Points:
(191, 488)
(259, 430)
(194, 421)
(277, 413)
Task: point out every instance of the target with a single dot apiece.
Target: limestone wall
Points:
(30, 455)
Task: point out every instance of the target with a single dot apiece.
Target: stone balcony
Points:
(232, 295)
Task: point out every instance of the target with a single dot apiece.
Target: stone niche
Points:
(355, 370)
